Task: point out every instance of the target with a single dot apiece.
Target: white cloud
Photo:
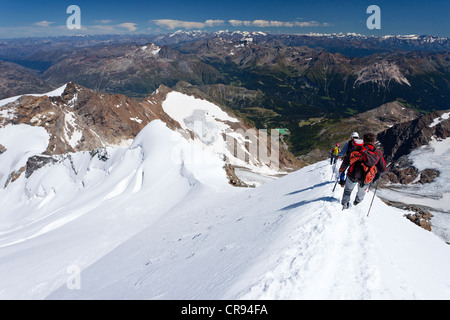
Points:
(174, 24)
(129, 26)
(43, 24)
(311, 24)
(276, 24)
(101, 28)
(212, 23)
(44, 29)
(48, 28)
(239, 23)
(179, 24)
(105, 21)
(266, 23)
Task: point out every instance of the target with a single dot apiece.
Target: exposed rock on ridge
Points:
(81, 119)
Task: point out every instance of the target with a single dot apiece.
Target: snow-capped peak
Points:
(152, 48)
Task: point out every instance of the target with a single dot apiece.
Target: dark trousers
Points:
(333, 159)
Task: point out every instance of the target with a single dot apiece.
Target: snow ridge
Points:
(297, 245)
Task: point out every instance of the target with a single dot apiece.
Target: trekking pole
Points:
(337, 180)
(373, 198)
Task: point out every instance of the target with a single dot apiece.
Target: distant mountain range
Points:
(270, 80)
(349, 44)
(40, 53)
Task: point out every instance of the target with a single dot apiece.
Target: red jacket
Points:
(356, 172)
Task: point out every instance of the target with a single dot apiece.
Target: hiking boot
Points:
(345, 206)
(355, 203)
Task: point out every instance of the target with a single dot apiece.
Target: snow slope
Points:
(75, 211)
(212, 128)
(287, 239)
(158, 220)
(21, 142)
(435, 195)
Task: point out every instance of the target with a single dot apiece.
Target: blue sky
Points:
(21, 18)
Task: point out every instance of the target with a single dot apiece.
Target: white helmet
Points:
(355, 135)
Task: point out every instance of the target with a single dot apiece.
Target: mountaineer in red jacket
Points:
(365, 163)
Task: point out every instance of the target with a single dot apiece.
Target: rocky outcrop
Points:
(234, 180)
(81, 119)
(421, 217)
(406, 176)
(101, 153)
(402, 171)
(381, 73)
(401, 139)
(398, 142)
(428, 175)
(36, 162)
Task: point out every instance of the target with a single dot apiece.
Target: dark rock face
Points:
(403, 138)
(36, 162)
(398, 142)
(101, 153)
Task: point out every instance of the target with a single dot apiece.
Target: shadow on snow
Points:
(310, 188)
(304, 202)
